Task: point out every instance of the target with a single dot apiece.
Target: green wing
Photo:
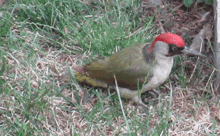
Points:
(128, 65)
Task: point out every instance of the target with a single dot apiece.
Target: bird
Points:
(138, 68)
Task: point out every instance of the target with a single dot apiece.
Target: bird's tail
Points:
(83, 78)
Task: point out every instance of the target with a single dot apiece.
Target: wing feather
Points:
(130, 70)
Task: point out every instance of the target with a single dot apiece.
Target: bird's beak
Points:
(189, 51)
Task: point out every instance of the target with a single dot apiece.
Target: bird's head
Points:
(169, 45)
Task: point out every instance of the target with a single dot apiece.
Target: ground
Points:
(42, 42)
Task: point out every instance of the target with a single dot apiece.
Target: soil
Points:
(187, 22)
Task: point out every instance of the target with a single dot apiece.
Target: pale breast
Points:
(161, 72)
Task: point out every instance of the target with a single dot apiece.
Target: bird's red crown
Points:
(169, 38)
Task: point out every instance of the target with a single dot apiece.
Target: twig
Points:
(209, 43)
(209, 79)
(176, 8)
(161, 27)
(160, 24)
(203, 17)
(132, 33)
(212, 91)
(196, 61)
(14, 59)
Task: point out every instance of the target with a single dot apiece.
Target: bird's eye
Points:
(174, 48)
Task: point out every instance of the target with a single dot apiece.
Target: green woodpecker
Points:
(138, 68)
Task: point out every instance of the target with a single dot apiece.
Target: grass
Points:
(42, 40)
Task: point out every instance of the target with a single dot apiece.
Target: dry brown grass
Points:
(41, 99)
(190, 114)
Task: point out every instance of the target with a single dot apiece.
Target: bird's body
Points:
(137, 69)
(121, 67)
